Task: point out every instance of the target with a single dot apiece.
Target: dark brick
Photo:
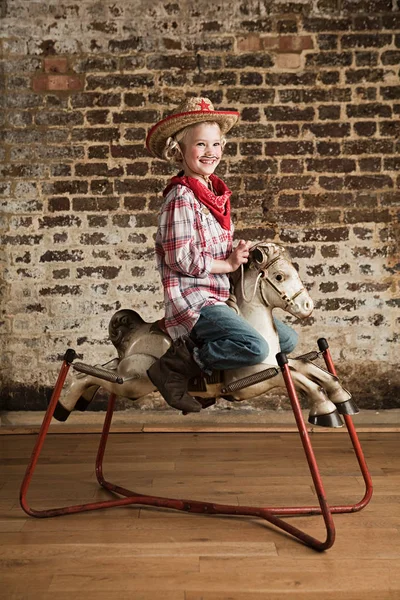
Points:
(138, 203)
(367, 216)
(329, 59)
(337, 304)
(292, 183)
(292, 166)
(134, 99)
(368, 182)
(363, 233)
(228, 78)
(364, 93)
(96, 63)
(329, 77)
(286, 26)
(285, 148)
(251, 148)
(135, 133)
(95, 204)
(58, 204)
(125, 46)
(47, 222)
(327, 113)
(61, 290)
(60, 170)
(21, 240)
(390, 57)
(139, 169)
(367, 59)
(366, 40)
(98, 151)
(254, 131)
(111, 82)
(94, 239)
(251, 79)
(373, 146)
(250, 114)
(95, 99)
(95, 134)
(97, 221)
(331, 234)
(365, 22)
(290, 79)
(102, 187)
(132, 63)
(287, 113)
(316, 95)
(331, 183)
(370, 165)
(334, 165)
(328, 129)
(329, 251)
(390, 198)
(328, 287)
(250, 165)
(65, 187)
(136, 116)
(287, 130)
(328, 148)
(289, 200)
(256, 60)
(317, 25)
(97, 169)
(108, 272)
(97, 117)
(327, 41)
(248, 96)
(137, 186)
(390, 93)
(365, 128)
(391, 164)
(365, 75)
(62, 256)
(146, 220)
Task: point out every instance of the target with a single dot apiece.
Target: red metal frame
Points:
(271, 514)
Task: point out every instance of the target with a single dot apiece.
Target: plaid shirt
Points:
(188, 239)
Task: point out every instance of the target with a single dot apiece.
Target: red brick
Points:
(295, 43)
(55, 64)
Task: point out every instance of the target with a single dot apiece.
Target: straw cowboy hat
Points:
(191, 112)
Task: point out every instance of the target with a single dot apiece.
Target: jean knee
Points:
(290, 342)
(259, 351)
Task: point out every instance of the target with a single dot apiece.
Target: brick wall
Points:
(313, 164)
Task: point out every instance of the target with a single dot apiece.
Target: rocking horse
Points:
(268, 281)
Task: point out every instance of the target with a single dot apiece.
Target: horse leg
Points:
(79, 388)
(334, 390)
(322, 411)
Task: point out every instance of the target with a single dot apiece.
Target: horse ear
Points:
(259, 256)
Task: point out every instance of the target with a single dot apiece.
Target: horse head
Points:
(270, 278)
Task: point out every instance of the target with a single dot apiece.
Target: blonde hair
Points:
(172, 149)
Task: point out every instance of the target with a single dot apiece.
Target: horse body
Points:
(269, 281)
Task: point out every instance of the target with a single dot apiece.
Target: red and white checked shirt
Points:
(188, 238)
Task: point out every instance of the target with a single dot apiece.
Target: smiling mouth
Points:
(210, 160)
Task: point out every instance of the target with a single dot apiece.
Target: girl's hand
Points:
(240, 255)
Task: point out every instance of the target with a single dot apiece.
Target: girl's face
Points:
(202, 150)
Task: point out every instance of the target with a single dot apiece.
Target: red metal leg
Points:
(270, 514)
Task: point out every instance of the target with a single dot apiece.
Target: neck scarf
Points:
(217, 201)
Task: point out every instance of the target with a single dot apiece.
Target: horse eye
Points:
(279, 277)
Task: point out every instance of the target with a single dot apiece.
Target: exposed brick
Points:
(366, 40)
(295, 43)
(97, 169)
(55, 64)
(284, 148)
(95, 204)
(334, 165)
(108, 272)
(287, 113)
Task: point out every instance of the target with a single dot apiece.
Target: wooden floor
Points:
(150, 554)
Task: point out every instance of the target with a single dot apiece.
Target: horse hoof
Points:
(61, 413)
(331, 420)
(347, 408)
(82, 404)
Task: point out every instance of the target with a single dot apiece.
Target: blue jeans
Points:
(226, 340)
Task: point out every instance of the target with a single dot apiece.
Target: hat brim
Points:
(161, 131)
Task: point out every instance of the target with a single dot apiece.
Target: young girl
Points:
(194, 256)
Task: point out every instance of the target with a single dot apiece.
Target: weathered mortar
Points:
(313, 164)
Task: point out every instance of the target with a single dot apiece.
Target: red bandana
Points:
(218, 202)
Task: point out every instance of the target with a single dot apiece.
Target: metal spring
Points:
(250, 380)
(98, 372)
(313, 355)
